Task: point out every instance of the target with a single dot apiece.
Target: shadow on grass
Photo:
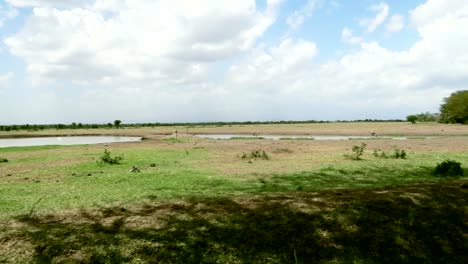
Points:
(362, 177)
(418, 224)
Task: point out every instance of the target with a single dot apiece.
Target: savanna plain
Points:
(178, 198)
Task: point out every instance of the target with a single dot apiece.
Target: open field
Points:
(356, 129)
(197, 200)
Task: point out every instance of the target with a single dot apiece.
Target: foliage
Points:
(455, 108)
(117, 123)
(109, 159)
(378, 153)
(297, 138)
(247, 138)
(448, 168)
(358, 151)
(423, 117)
(256, 154)
(73, 125)
(399, 154)
(3, 160)
(412, 119)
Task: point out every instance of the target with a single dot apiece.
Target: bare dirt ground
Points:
(345, 129)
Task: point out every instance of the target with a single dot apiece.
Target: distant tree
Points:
(455, 108)
(117, 123)
(412, 118)
(428, 117)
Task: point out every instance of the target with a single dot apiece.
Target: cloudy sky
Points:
(64, 61)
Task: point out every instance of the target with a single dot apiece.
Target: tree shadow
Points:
(418, 224)
(332, 178)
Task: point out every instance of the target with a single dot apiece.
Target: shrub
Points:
(448, 168)
(399, 154)
(256, 154)
(3, 160)
(358, 151)
(378, 153)
(107, 158)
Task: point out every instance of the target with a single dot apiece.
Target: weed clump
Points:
(397, 154)
(256, 154)
(107, 158)
(448, 168)
(358, 151)
(378, 153)
(3, 160)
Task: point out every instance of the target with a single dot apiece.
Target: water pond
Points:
(293, 137)
(65, 141)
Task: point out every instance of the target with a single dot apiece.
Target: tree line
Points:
(453, 110)
(119, 124)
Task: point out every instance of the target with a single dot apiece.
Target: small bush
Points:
(399, 154)
(448, 168)
(107, 158)
(256, 154)
(2, 160)
(378, 153)
(358, 151)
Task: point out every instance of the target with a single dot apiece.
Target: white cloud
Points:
(436, 9)
(47, 3)
(298, 17)
(382, 11)
(146, 40)
(206, 63)
(7, 13)
(348, 37)
(396, 23)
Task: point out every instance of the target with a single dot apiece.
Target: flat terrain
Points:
(199, 200)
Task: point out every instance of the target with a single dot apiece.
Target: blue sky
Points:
(178, 61)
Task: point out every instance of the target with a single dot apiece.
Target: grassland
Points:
(197, 201)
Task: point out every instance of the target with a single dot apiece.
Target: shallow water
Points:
(64, 141)
(298, 137)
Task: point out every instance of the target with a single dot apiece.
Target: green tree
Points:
(412, 118)
(455, 108)
(117, 123)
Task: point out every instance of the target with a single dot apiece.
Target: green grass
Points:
(179, 210)
(176, 175)
(420, 224)
(296, 138)
(246, 138)
(175, 140)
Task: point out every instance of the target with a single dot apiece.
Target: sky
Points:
(94, 61)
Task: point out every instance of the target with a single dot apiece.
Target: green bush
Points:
(448, 168)
(3, 160)
(109, 159)
(256, 154)
(358, 151)
(378, 153)
(399, 154)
